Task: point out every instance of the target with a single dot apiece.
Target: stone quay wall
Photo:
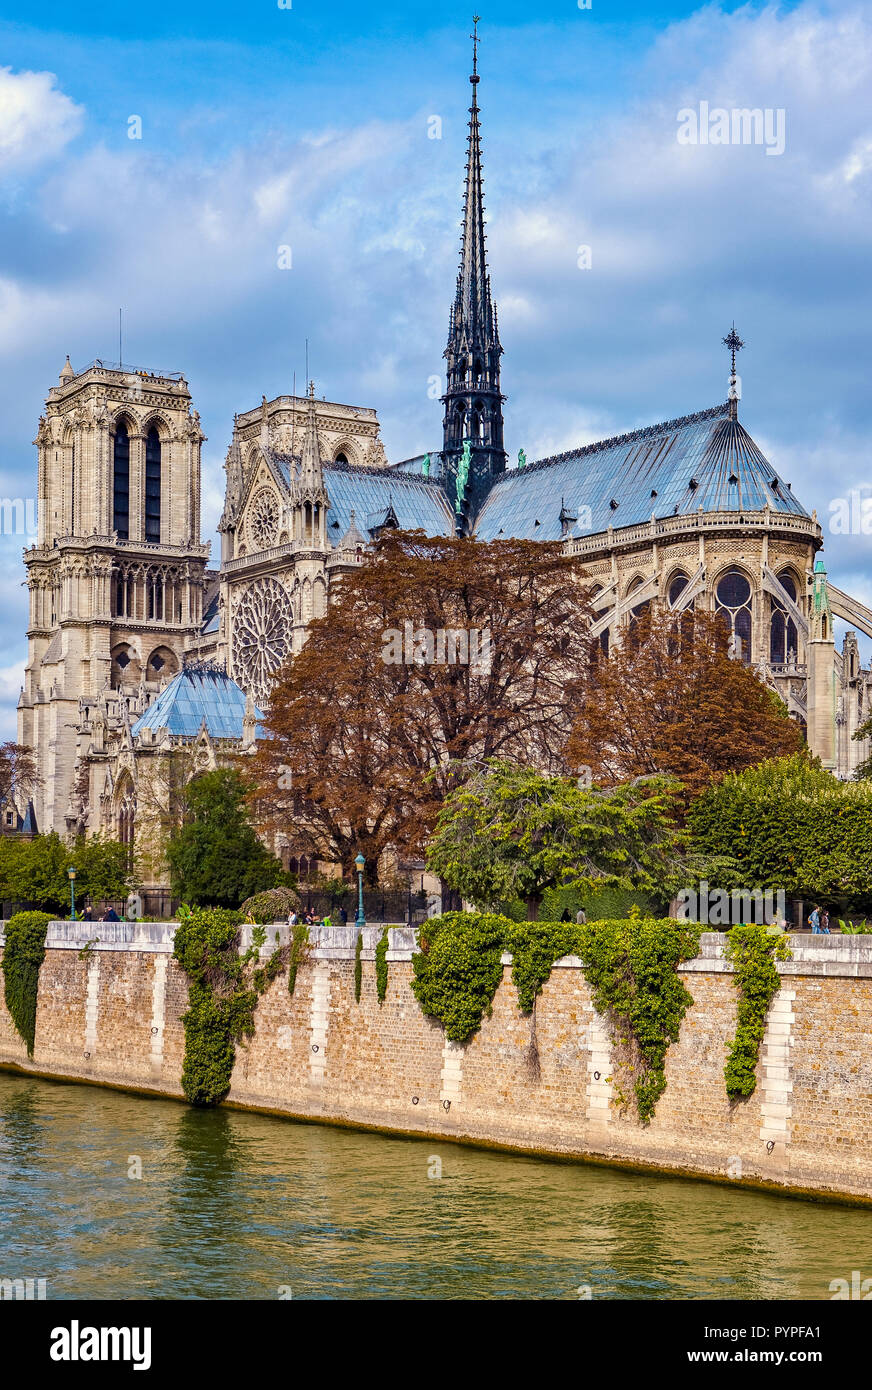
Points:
(114, 1017)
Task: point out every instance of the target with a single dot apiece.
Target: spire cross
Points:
(475, 43)
(735, 344)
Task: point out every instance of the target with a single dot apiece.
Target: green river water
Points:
(233, 1205)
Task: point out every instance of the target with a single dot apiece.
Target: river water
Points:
(233, 1205)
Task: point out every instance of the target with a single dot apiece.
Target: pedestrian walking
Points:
(815, 920)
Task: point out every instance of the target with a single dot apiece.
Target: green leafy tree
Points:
(215, 856)
(788, 824)
(511, 832)
(103, 870)
(35, 871)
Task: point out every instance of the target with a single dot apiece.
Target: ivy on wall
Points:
(298, 952)
(752, 951)
(23, 955)
(457, 968)
(381, 966)
(631, 965)
(224, 987)
(535, 946)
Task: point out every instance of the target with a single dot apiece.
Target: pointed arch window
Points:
(733, 602)
(783, 639)
(152, 486)
(677, 586)
(121, 481)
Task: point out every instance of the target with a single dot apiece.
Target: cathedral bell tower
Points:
(116, 576)
(472, 448)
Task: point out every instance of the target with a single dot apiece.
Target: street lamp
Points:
(71, 875)
(361, 920)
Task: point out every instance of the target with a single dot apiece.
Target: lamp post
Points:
(361, 920)
(71, 875)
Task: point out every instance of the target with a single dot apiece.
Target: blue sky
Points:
(264, 126)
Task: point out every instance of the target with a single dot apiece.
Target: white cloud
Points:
(37, 120)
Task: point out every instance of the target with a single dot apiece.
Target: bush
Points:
(790, 825)
(23, 955)
(272, 905)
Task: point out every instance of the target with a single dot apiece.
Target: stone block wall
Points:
(540, 1086)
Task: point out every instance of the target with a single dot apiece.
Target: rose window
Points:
(262, 637)
(263, 520)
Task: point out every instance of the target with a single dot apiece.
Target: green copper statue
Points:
(425, 466)
(522, 459)
(463, 474)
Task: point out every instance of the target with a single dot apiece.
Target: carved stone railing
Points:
(672, 527)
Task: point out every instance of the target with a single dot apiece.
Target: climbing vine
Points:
(298, 952)
(457, 969)
(535, 946)
(381, 966)
(631, 966)
(752, 951)
(224, 987)
(358, 967)
(23, 955)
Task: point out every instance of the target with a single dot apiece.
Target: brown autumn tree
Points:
(18, 777)
(434, 656)
(671, 699)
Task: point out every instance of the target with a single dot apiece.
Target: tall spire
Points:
(734, 344)
(472, 400)
(311, 476)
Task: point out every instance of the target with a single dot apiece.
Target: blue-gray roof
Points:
(415, 465)
(703, 461)
(418, 504)
(193, 695)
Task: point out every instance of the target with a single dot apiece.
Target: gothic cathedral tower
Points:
(472, 400)
(116, 575)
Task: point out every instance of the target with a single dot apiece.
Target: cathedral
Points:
(142, 657)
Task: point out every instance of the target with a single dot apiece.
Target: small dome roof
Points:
(198, 695)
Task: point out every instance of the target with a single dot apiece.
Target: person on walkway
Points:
(111, 916)
(343, 916)
(581, 917)
(825, 922)
(815, 920)
(292, 918)
(564, 916)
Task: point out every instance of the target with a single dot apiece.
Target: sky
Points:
(310, 125)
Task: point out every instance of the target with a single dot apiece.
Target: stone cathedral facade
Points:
(137, 649)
